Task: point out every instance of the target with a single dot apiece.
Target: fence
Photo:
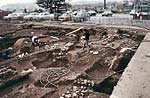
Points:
(120, 21)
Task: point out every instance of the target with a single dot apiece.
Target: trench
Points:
(107, 84)
(13, 82)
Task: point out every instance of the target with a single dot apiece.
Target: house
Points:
(127, 5)
(142, 10)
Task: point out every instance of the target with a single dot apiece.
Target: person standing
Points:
(86, 37)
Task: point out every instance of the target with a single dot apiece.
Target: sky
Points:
(5, 2)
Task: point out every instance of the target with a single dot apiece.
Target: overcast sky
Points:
(5, 2)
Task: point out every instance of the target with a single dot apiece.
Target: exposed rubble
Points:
(58, 67)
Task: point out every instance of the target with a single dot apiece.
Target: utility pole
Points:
(104, 4)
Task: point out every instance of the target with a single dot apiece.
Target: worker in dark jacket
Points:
(86, 38)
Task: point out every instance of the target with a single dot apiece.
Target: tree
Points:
(52, 5)
(47, 4)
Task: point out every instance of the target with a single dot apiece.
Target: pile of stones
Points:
(80, 89)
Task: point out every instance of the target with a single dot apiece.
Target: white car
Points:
(21, 15)
(107, 13)
(44, 16)
(74, 13)
(92, 13)
(12, 16)
(54, 16)
(81, 16)
(31, 16)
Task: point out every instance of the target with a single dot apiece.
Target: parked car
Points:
(31, 16)
(21, 15)
(65, 17)
(81, 16)
(12, 16)
(107, 13)
(56, 16)
(15, 16)
(133, 12)
(44, 16)
(92, 13)
(74, 12)
(52, 17)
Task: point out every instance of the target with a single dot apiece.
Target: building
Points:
(142, 9)
(128, 5)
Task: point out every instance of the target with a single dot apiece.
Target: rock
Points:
(27, 71)
(82, 37)
(96, 52)
(82, 94)
(21, 55)
(69, 44)
(60, 53)
(23, 90)
(91, 52)
(47, 47)
(34, 68)
(125, 49)
(63, 95)
(74, 88)
(84, 91)
(54, 60)
(85, 81)
(127, 35)
(32, 33)
(77, 91)
(67, 92)
(68, 95)
(54, 37)
(74, 95)
(88, 81)
(82, 87)
(92, 83)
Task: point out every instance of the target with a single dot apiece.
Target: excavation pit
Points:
(65, 51)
